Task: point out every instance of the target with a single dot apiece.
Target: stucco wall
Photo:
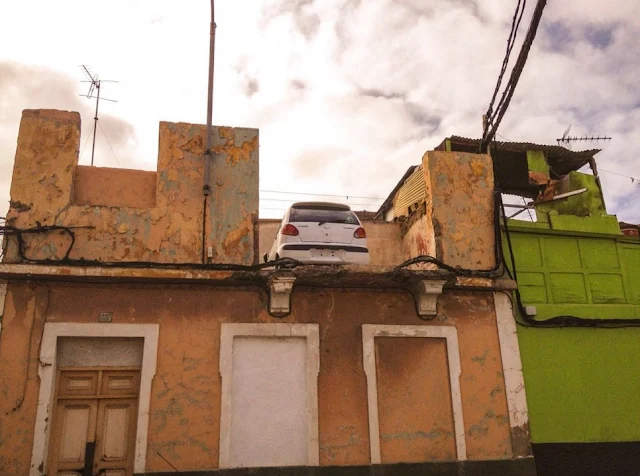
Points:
(42, 192)
(185, 400)
(383, 240)
(459, 189)
(589, 276)
(103, 186)
(417, 237)
(267, 230)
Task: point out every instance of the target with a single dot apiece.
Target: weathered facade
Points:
(121, 215)
(130, 344)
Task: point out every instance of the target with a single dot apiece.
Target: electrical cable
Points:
(292, 201)
(515, 25)
(18, 232)
(86, 141)
(322, 195)
(109, 142)
(498, 270)
(507, 94)
(287, 263)
(634, 180)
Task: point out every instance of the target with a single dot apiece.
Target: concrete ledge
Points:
(517, 467)
(310, 275)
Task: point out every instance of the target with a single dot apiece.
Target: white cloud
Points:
(346, 93)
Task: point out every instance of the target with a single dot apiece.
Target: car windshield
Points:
(323, 216)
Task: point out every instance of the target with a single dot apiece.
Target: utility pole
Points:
(206, 189)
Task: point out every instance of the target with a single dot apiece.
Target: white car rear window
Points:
(323, 216)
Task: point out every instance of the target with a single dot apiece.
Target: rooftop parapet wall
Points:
(460, 209)
(123, 226)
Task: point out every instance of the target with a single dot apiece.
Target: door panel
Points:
(120, 382)
(78, 383)
(74, 426)
(115, 436)
(74, 432)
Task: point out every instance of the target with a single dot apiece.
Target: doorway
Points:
(94, 421)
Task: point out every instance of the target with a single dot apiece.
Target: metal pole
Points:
(206, 189)
(95, 122)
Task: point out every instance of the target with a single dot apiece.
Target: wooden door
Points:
(94, 422)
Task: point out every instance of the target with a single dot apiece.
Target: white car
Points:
(320, 233)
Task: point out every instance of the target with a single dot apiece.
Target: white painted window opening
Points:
(47, 371)
(369, 333)
(269, 407)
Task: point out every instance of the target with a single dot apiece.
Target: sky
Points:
(347, 94)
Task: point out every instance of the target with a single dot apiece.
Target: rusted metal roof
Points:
(551, 151)
(412, 192)
(388, 203)
(510, 159)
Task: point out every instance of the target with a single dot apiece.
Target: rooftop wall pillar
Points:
(45, 163)
(460, 208)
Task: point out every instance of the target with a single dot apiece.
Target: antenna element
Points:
(94, 87)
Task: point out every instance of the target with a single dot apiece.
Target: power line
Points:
(492, 123)
(109, 142)
(323, 195)
(291, 201)
(86, 141)
(634, 180)
(515, 25)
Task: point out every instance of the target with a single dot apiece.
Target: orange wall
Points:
(459, 189)
(124, 215)
(185, 399)
(103, 186)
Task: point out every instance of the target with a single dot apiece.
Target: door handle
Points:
(89, 452)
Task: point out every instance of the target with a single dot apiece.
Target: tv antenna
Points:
(94, 88)
(567, 140)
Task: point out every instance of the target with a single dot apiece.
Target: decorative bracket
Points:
(426, 294)
(280, 295)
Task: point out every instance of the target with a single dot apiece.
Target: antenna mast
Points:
(94, 87)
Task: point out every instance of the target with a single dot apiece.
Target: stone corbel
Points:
(426, 294)
(280, 288)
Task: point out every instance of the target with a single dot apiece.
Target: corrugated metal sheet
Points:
(412, 192)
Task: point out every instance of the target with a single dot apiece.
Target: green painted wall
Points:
(536, 162)
(583, 385)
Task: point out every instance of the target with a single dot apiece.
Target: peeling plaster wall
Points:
(383, 240)
(267, 230)
(45, 175)
(460, 207)
(417, 237)
(185, 399)
(103, 186)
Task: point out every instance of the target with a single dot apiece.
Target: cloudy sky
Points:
(346, 93)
